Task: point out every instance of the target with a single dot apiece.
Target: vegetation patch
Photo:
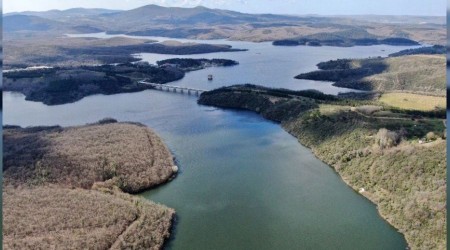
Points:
(430, 50)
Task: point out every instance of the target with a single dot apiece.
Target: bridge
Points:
(174, 88)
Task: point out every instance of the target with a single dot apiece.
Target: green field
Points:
(413, 101)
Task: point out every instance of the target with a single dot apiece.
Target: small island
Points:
(338, 40)
(49, 172)
(188, 64)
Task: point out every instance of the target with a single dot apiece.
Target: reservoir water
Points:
(265, 64)
(244, 183)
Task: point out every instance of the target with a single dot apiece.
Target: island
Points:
(394, 156)
(343, 41)
(188, 64)
(50, 172)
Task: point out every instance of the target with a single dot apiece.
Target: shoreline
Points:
(355, 189)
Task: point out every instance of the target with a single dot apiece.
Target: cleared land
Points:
(50, 172)
(413, 101)
(369, 147)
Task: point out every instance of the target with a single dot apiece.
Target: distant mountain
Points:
(65, 14)
(14, 23)
(205, 23)
(188, 16)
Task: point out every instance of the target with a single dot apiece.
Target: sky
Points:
(294, 7)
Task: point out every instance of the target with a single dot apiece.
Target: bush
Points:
(387, 139)
(368, 109)
(107, 121)
(431, 136)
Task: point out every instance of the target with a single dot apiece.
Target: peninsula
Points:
(50, 172)
(60, 85)
(420, 70)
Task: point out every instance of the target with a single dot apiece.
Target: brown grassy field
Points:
(63, 187)
(418, 73)
(413, 101)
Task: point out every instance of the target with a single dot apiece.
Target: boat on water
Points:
(210, 77)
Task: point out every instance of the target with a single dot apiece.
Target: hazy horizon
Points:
(288, 7)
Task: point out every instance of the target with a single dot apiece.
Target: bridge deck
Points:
(167, 86)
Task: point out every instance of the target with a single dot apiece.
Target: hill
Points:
(50, 172)
(205, 23)
(62, 14)
(15, 23)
